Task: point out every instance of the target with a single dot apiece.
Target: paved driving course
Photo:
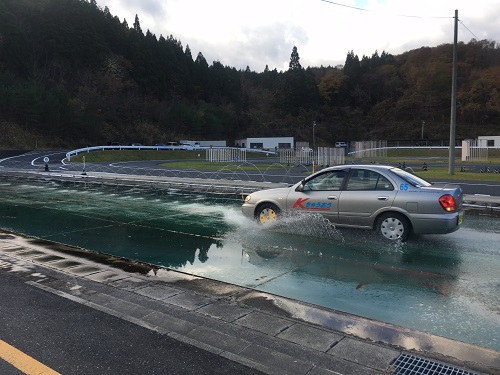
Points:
(80, 312)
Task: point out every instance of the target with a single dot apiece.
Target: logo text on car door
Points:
(304, 204)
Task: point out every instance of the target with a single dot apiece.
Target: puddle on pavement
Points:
(445, 285)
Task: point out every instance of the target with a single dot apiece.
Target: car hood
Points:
(272, 192)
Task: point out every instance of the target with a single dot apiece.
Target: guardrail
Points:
(69, 154)
(402, 148)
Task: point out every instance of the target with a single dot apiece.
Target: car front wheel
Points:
(267, 213)
(393, 226)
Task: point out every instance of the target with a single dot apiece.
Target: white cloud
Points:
(240, 33)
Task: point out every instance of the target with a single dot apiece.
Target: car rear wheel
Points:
(267, 213)
(393, 226)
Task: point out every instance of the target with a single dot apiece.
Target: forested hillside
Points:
(72, 74)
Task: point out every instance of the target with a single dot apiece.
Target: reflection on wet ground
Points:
(444, 285)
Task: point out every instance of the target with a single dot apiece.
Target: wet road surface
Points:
(445, 285)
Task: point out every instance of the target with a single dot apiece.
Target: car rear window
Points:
(410, 178)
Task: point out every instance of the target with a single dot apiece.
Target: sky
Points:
(256, 33)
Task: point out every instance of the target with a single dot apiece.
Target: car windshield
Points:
(411, 178)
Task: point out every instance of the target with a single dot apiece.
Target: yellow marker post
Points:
(23, 362)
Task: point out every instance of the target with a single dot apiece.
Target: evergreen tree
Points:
(201, 61)
(294, 60)
(188, 54)
(137, 25)
(299, 89)
(352, 66)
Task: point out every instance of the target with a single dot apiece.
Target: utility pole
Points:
(453, 115)
(423, 124)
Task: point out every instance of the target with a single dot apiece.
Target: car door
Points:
(319, 194)
(366, 193)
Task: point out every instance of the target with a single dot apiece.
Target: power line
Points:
(399, 15)
(468, 29)
(343, 5)
(394, 15)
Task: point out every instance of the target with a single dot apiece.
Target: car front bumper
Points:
(248, 210)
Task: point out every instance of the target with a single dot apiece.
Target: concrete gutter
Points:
(487, 200)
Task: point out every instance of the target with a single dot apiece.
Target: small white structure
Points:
(474, 149)
(270, 143)
(227, 154)
(323, 156)
(490, 141)
(370, 149)
(204, 143)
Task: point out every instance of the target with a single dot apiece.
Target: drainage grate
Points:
(407, 364)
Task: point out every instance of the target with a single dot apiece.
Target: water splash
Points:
(306, 224)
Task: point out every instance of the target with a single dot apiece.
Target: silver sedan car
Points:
(390, 200)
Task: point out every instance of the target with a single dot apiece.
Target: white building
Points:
(490, 141)
(269, 143)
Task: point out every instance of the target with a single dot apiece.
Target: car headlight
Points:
(248, 198)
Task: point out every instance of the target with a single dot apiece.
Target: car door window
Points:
(368, 180)
(328, 181)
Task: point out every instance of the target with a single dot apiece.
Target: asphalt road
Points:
(71, 338)
(35, 159)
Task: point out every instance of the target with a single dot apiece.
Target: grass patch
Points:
(442, 174)
(420, 152)
(435, 155)
(138, 155)
(134, 155)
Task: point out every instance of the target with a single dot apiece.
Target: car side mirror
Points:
(302, 185)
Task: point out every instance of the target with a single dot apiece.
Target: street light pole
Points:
(314, 147)
(423, 124)
(314, 143)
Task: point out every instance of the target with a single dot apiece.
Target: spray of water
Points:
(307, 224)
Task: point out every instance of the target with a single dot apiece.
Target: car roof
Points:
(382, 167)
